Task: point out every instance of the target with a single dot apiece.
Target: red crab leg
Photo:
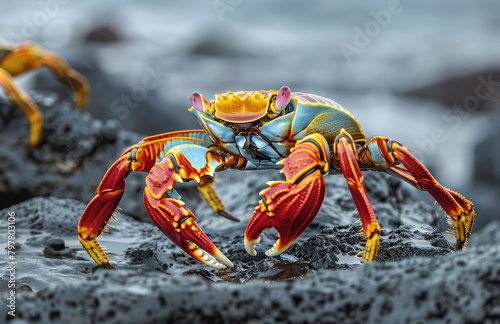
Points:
(170, 214)
(386, 152)
(459, 209)
(290, 206)
(344, 148)
(140, 157)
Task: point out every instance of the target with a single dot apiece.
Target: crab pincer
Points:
(176, 221)
(290, 206)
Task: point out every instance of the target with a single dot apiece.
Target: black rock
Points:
(415, 278)
(75, 152)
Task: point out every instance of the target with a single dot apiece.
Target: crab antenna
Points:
(197, 101)
(284, 96)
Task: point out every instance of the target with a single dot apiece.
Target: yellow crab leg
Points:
(25, 104)
(27, 57)
(206, 189)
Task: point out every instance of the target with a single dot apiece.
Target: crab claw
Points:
(179, 225)
(290, 206)
(176, 221)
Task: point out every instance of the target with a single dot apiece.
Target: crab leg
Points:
(386, 152)
(344, 148)
(206, 189)
(27, 57)
(169, 213)
(290, 206)
(25, 104)
(140, 157)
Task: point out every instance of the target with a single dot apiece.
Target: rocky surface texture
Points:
(60, 166)
(417, 277)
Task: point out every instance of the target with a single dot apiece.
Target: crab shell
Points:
(243, 106)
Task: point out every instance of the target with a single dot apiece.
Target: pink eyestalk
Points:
(284, 96)
(198, 102)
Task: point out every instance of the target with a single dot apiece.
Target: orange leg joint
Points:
(344, 148)
(290, 206)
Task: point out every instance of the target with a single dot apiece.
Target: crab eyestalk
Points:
(282, 100)
(200, 103)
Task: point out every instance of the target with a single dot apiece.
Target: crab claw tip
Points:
(216, 260)
(250, 246)
(222, 258)
(277, 249)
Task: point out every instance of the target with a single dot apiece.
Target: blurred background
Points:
(425, 73)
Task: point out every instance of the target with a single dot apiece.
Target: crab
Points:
(305, 135)
(26, 57)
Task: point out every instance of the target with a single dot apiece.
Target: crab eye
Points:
(284, 96)
(197, 101)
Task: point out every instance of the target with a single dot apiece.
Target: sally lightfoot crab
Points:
(304, 135)
(26, 57)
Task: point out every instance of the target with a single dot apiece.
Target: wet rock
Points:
(417, 276)
(55, 247)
